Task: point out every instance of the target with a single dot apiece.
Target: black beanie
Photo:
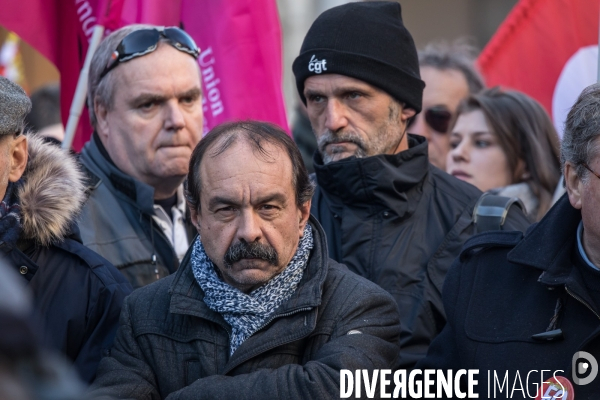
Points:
(366, 41)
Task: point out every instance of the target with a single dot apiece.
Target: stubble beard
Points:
(385, 141)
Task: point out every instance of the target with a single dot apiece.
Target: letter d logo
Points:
(590, 364)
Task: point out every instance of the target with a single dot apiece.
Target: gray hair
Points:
(102, 89)
(582, 128)
(458, 55)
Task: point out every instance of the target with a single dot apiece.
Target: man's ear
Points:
(18, 158)
(303, 215)
(407, 113)
(574, 185)
(194, 217)
(101, 121)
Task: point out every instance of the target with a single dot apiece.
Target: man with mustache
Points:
(145, 101)
(388, 214)
(256, 310)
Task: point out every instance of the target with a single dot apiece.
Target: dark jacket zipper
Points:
(579, 299)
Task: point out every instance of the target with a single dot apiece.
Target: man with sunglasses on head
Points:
(388, 214)
(145, 101)
(450, 76)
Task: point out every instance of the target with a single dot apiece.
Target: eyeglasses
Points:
(591, 170)
(437, 117)
(144, 41)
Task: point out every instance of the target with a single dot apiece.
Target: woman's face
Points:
(476, 156)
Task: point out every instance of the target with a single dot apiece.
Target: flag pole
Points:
(598, 68)
(81, 90)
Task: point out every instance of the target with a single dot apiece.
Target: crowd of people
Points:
(160, 264)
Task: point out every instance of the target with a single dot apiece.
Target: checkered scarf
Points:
(247, 313)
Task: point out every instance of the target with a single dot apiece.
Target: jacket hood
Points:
(51, 194)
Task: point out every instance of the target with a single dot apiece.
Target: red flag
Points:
(241, 60)
(544, 48)
(110, 15)
(155, 12)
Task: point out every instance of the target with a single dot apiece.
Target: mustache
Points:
(244, 250)
(330, 137)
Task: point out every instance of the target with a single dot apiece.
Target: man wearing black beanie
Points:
(388, 214)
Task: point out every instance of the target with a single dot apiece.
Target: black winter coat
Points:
(399, 222)
(504, 290)
(171, 345)
(77, 294)
(77, 299)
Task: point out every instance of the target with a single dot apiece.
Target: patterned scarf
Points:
(10, 217)
(247, 313)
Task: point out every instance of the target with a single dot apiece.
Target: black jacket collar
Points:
(383, 180)
(548, 245)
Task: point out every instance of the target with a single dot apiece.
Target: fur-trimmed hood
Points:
(52, 193)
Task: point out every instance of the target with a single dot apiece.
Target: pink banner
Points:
(241, 59)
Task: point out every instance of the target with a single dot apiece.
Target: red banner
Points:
(241, 60)
(538, 47)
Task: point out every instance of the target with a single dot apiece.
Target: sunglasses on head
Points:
(144, 41)
(437, 117)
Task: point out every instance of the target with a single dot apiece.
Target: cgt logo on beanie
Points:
(366, 41)
(317, 66)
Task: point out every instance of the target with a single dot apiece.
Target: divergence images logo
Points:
(583, 363)
(317, 66)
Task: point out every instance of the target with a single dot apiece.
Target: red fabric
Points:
(110, 12)
(240, 61)
(531, 47)
(244, 36)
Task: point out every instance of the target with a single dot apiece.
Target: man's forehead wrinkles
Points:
(216, 178)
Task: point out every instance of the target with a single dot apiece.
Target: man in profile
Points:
(145, 104)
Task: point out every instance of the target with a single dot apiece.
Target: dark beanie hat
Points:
(366, 41)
